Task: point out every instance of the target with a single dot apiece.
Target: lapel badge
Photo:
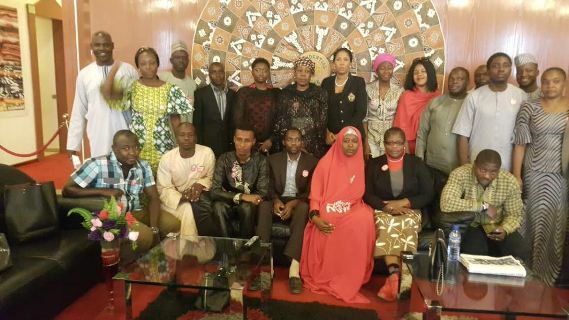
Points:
(351, 97)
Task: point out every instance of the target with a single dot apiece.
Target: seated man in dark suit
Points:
(240, 182)
(290, 173)
(213, 112)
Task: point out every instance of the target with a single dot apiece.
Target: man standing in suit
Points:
(289, 183)
(212, 112)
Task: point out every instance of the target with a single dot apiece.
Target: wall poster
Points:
(11, 82)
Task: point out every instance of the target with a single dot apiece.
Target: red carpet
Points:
(56, 168)
(92, 304)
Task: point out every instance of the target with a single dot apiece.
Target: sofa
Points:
(47, 274)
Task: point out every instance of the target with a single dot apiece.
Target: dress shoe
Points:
(389, 290)
(295, 285)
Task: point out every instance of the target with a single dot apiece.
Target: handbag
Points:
(30, 211)
(438, 259)
(5, 257)
(214, 299)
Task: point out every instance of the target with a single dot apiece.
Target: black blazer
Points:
(417, 183)
(277, 174)
(352, 107)
(211, 129)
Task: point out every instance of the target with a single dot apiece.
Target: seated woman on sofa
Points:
(398, 185)
(338, 241)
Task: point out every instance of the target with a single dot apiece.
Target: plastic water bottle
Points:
(454, 243)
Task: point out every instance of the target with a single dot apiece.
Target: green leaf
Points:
(85, 214)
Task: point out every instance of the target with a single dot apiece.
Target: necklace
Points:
(341, 85)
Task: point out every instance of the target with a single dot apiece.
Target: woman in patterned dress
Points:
(303, 105)
(156, 107)
(398, 185)
(256, 105)
(538, 138)
(383, 98)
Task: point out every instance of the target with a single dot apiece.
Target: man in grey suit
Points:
(213, 112)
(290, 172)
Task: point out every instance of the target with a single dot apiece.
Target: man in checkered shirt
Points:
(121, 174)
(493, 196)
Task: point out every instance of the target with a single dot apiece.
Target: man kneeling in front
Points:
(494, 197)
(121, 174)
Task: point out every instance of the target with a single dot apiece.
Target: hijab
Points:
(338, 177)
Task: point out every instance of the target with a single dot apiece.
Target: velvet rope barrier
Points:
(35, 153)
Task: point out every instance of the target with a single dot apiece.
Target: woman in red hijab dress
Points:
(337, 251)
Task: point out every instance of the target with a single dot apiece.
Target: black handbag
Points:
(5, 257)
(30, 211)
(214, 299)
(438, 256)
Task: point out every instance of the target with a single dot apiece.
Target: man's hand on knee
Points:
(252, 198)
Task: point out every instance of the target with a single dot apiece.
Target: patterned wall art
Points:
(11, 82)
(235, 32)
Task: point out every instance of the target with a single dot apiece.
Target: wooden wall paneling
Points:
(35, 76)
(61, 90)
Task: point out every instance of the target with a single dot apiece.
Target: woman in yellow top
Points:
(155, 107)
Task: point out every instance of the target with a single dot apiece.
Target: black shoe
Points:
(255, 284)
(295, 285)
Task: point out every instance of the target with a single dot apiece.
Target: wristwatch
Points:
(237, 198)
(485, 206)
(155, 230)
(312, 214)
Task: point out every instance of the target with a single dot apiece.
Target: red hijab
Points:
(338, 177)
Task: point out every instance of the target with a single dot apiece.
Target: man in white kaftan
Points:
(183, 174)
(90, 109)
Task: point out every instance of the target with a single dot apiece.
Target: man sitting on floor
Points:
(493, 196)
(121, 174)
(240, 182)
(289, 175)
(183, 174)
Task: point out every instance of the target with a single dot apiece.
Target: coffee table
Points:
(476, 293)
(196, 261)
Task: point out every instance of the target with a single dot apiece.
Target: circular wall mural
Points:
(235, 32)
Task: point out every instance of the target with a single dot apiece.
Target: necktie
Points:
(219, 93)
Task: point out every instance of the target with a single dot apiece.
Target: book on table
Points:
(503, 266)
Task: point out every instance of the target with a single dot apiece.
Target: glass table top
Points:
(469, 292)
(197, 261)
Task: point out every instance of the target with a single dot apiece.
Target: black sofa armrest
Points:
(66, 204)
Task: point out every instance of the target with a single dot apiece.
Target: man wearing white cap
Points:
(179, 58)
(526, 74)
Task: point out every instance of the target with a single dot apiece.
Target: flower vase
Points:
(110, 257)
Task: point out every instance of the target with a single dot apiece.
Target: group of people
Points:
(353, 168)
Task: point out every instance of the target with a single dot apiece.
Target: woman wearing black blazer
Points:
(347, 96)
(398, 185)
